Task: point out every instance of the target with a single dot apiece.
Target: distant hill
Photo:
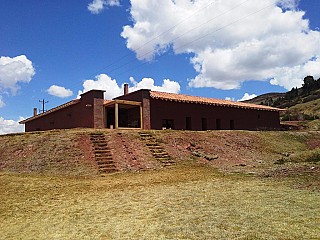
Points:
(301, 103)
(264, 99)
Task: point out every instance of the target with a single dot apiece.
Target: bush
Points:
(306, 156)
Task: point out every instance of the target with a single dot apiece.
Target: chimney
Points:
(35, 112)
(125, 89)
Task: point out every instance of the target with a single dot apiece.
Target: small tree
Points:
(309, 84)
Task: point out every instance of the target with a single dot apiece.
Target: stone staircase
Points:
(102, 153)
(156, 150)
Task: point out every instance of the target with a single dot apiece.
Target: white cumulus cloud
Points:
(2, 104)
(59, 91)
(232, 41)
(113, 3)
(230, 99)
(10, 126)
(14, 71)
(97, 6)
(247, 96)
(148, 83)
(103, 82)
(112, 88)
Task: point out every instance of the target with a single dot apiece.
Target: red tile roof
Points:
(208, 101)
(50, 111)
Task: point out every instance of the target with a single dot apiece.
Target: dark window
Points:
(188, 123)
(168, 123)
(258, 116)
(204, 124)
(69, 115)
(218, 124)
(51, 123)
(231, 124)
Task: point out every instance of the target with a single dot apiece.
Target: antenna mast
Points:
(43, 103)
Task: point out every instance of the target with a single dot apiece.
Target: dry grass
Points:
(306, 156)
(183, 202)
(311, 108)
(69, 152)
(50, 152)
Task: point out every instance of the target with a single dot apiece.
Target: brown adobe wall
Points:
(246, 119)
(79, 115)
(98, 114)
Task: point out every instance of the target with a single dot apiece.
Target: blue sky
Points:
(224, 49)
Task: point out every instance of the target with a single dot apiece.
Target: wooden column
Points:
(116, 116)
(141, 117)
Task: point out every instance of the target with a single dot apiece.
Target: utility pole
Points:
(43, 103)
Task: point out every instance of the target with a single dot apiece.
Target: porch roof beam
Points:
(125, 102)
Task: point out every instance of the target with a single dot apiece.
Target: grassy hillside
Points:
(308, 110)
(70, 152)
(301, 103)
(52, 152)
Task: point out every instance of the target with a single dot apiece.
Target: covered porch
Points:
(123, 114)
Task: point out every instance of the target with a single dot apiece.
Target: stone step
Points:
(107, 157)
(97, 137)
(101, 144)
(102, 162)
(104, 158)
(99, 151)
(106, 166)
(167, 163)
(106, 163)
(157, 150)
(147, 137)
(160, 154)
(156, 147)
(109, 170)
(102, 153)
(152, 144)
(97, 142)
(161, 159)
(167, 158)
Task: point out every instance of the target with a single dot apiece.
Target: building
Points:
(146, 109)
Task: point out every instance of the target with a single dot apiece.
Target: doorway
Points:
(218, 124)
(204, 124)
(188, 123)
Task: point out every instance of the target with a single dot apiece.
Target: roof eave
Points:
(249, 106)
(72, 102)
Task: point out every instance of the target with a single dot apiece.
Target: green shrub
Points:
(306, 156)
